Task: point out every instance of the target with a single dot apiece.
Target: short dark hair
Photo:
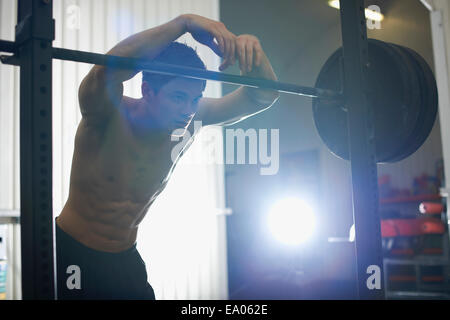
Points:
(178, 54)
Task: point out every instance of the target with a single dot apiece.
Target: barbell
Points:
(174, 70)
(401, 93)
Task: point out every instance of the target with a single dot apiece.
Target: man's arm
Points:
(243, 102)
(102, 89)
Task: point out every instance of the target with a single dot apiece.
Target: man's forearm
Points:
(236, 106)
(145, 44)
(149, 43)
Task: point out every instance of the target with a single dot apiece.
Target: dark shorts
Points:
(85, 273)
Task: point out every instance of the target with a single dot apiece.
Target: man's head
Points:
(170, 102)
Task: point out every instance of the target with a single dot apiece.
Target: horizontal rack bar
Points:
(168, 69)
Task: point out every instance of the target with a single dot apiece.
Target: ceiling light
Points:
(370, 14)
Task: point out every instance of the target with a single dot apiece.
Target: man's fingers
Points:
(249, 56)
(241, 56)
(227, 49)
(215, 47)
(225, 57)
(233, 50)
(219, 39)
(258, 55)
(223, 66)
(249, 52)
(226, 45)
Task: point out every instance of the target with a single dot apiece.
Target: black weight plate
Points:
(410, 144)
(429, 106)
(433, 100)
(394, 110)
(414, 100)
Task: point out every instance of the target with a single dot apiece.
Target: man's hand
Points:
(249, 52)
(244, 101)
(205, 30)
(253, 62)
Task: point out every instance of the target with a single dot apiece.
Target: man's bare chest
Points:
(137, 167)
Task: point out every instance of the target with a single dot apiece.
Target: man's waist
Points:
(97, 235)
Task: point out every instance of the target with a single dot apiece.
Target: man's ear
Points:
(147, 91)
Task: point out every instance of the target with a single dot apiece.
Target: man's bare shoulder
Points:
(98, 127)
(91, 134)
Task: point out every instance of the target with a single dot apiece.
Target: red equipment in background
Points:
(407, 237)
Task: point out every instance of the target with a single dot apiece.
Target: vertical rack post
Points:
(34, 36)
(362, 151)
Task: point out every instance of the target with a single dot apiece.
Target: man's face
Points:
(175, 104)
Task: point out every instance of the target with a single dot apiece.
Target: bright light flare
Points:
(291, 221)
(351, 234)
(370, 14)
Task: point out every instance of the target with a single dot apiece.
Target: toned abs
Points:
(115, 177)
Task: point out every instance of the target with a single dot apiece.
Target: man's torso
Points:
(115, 177)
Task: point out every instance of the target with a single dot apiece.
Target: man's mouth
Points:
(180, 125)
(182, 122)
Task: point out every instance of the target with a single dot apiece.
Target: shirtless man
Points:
(122, 158)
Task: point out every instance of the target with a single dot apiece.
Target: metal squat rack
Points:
(34, 52)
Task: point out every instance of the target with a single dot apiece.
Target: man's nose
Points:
(186, 111)
(189, 108)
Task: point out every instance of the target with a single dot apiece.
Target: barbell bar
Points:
(174, 70)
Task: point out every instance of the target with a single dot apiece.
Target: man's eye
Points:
(178, 99)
